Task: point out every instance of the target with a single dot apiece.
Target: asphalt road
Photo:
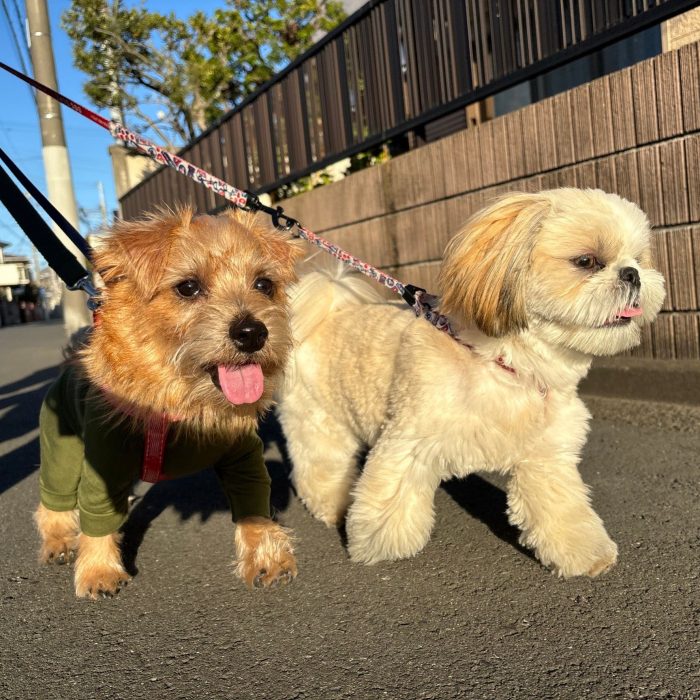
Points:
(472, 616)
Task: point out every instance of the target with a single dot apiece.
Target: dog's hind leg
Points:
(392, 513)
(59, 532)
(324, 457)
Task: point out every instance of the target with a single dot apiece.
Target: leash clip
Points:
(280, 220)
(411, 293)
(252, 201)
(425, 305)
(278, 216)
(85, 284)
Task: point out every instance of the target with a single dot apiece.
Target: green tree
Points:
(176, 76)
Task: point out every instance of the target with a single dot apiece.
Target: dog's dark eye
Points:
(188, 289)
(265, 285)
(588, 262)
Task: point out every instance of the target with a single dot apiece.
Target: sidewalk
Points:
(471, 617)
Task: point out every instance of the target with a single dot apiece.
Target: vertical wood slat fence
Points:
(635, 132)
(393, 67)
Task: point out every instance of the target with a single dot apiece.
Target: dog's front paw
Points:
(390, 530)
(264, 553)
(59, 535)
(100, 581)
(98, 568)
(585, 556)
(56, 553)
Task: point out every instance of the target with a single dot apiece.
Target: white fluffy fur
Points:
(368, 373)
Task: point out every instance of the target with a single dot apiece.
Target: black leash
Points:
(78, 241)
(40, 234)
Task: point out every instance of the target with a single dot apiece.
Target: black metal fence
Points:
(392, 67)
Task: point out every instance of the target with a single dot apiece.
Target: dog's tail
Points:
(327, 287)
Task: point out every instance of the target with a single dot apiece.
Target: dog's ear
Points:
(139, 250)
(278, 245)
(484, 271)
(286, 249)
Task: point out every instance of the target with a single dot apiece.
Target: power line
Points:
(18, 47)
(17, 12)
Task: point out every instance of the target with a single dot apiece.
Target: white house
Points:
(14, 274)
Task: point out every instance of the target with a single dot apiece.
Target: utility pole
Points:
(54, 152)
(36, 265)
(103, 204)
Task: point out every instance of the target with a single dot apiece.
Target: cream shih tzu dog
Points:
(535, 286)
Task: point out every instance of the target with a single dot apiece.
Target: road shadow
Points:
(200, 495)
(488, 504)
(45, 375)
(23, 399)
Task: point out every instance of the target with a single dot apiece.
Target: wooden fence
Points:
(392, 69)
(635, 132)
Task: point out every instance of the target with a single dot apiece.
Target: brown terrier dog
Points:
(193, 327)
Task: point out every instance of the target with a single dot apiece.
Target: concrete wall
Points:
(635, 132)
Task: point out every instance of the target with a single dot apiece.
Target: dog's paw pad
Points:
(591, 563)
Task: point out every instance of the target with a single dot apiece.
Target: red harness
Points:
(154, 449)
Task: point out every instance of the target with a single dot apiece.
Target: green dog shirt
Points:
(90, 458)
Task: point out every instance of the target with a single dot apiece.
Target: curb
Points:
(669, 381)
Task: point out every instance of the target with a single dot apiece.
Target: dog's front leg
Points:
(392, 514)
(549, 502)
(264, 553)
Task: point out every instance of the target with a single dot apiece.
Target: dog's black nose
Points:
(631, 275)
(248, 334)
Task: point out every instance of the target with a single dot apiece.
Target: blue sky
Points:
(87, 143)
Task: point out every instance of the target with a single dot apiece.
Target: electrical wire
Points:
(18, 46)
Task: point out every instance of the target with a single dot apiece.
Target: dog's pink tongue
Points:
(631, 312)
(242, 384)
